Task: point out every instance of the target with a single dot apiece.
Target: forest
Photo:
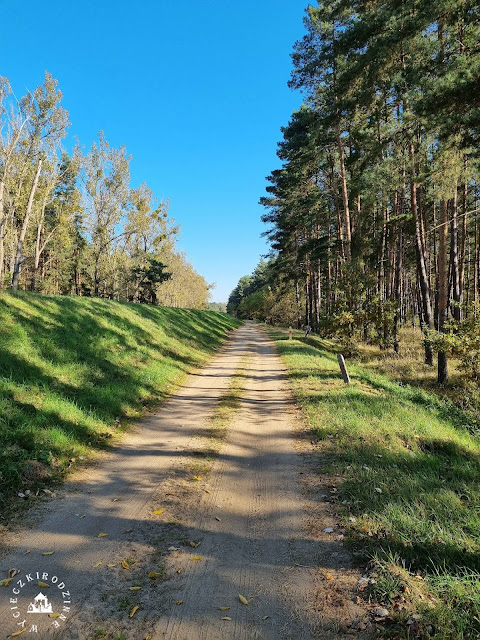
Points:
(72, 224)
(372, 214)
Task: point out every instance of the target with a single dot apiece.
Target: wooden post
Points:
(343, 368)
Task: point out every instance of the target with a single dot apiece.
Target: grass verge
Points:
(409, 490)
(73, 370)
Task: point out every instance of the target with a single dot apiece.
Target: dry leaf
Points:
(128, 531)
(53, 615)
(157, 512)
(173, 549)
(27, 552)
(224, 608)
(329, 576)
(225, 618)
(217, 518)
(116, 499)
(197, 478)
(44, 585)
(18, 633)
(102, 535)
(179, 602)
(111, 566)
(265, 617)
(196, 558)
(134, 588)
(207, 491)
(134, 611)
(13, 572)
(153, 575)
(47, 553)
(99, 564)
(5, 582)
(125, 565)
(194, 544)
(242, 599)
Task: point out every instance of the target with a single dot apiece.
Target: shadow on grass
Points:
(410, 470)
(71, 369)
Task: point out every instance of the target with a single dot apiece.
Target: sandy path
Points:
(248, 518)
(254, 546)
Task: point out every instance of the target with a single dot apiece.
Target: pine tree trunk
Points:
(442, 287)
(346, 210)
(456, 311)
(422, 270)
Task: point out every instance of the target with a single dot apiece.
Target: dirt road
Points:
(237, 527)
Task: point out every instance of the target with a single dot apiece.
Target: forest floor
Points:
(208, 521)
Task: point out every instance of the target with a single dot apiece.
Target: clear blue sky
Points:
(196, 91)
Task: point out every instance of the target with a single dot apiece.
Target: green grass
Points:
(74, 370)
(408, 463)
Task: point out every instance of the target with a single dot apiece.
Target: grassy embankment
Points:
(74, 370)
(408, 465)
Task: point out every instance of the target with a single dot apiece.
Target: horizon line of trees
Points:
(71, 224)
(373, 216)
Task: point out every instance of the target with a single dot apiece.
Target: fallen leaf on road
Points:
(157, 512)
(125, 565)
(179, 602)
(27, 552)
(197, 478)
(196, 558)
(225, 618)
(13, 572)
(329, 576)
(194, 544)
(47, 553)
(128, 531)
(99, 564)
(53, 615)
(102, 535)
(134, 611)
(173, 549)
(134, 588)
(265, 617)
(44, 585)
(116, 499)
(217, 518)
(111, 566)
(242, 599)
(5, 582)
(224, 608)
(18, 633)
(153, 575)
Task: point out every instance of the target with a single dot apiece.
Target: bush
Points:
(461, 340)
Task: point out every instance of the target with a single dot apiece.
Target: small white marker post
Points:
(290, 333)
(343, 368)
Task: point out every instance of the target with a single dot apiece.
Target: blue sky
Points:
(196, 91)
